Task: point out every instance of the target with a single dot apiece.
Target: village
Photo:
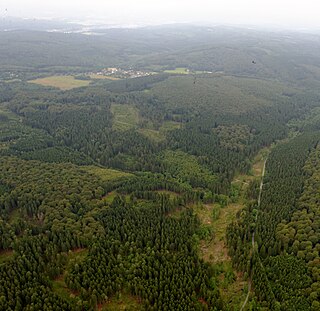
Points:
(122, 73)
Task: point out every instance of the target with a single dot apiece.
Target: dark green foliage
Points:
(137, 230)
(49, 196)
(58, 155)
(148, 254)
(152, 182)
(289, 279)
(283, 184)
(300, 234)
(134, 84)
(281, 281)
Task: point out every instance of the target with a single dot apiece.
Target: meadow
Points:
(62, 82)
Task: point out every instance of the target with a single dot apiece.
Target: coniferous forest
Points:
(192, 187)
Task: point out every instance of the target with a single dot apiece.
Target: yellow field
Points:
(61, 82)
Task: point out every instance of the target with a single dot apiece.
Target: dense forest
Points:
(273, 264)
(109, 191)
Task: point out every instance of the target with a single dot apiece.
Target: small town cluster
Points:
(123, 73)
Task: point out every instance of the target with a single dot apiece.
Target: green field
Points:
(105, 174)
(61, 82)
(179, 70)
(184, 71)
(125, 117)
(101, 77)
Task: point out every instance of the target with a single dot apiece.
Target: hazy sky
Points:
(289, 13)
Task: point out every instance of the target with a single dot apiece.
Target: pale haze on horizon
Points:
(283, 13)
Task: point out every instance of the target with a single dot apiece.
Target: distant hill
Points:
(291, 57)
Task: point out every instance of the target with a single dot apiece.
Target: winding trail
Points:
(259, 202)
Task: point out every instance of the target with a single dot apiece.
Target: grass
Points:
(122, 301)
(14, 215)
(58, 284)
(5, 255)
(179, 70)
(60, 288)
(176, 213)
(184, 71)
(170, 193)
(243, 180)
(152, 134)
(6, 113)
(186, 168)
(101, 77)
(77, 255)
(215, 249)
(111, 195)
(159, 135)
(126, 117)
(61, 82)
(232, 286)
(258, 162)
(228, 214)
(170, 125)
(12, 80)
(215, 252)
(105, 174)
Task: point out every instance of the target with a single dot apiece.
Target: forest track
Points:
(253, 234)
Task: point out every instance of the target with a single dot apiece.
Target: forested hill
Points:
(277, 55)
(130, 164)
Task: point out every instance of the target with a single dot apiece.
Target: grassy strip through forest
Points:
(215, 218)
(120, 194)
(253, 233)
(57, 194)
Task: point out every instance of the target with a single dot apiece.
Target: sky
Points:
(283, 13)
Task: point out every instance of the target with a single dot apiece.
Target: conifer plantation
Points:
(159, 168)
